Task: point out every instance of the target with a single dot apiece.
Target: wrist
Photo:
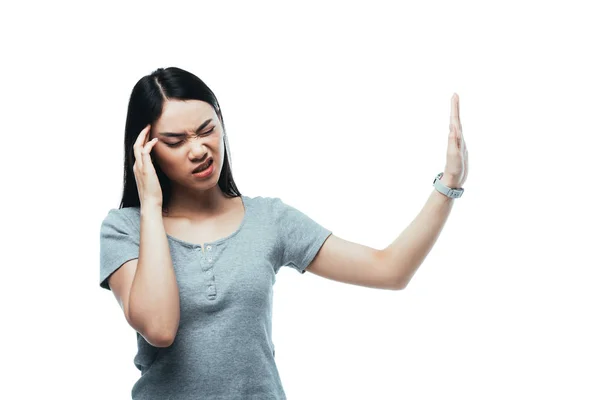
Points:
(151, 209)
(450, 181)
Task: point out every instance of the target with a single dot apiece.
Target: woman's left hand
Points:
(457, 156)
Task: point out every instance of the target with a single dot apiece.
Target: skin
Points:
(192, 198)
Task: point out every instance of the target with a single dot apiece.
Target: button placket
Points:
(209, 247)
(211, 285)
(211, 279)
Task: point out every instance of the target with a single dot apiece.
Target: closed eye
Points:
(178, 143)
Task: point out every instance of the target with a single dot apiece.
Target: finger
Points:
(459, 137)
(146, 152)
(453, 137)
(454, 111)
(459, 143)
(139, 143)
(148, 146)
(141, 139)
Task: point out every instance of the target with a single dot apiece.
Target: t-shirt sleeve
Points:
(299, 237)
(119, 243)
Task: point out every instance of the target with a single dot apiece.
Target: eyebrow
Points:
(171, 134)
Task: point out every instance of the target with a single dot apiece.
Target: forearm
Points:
(154, 296)
(407, 252)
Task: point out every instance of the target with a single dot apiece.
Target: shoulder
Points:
(263, 204)
(126, 218)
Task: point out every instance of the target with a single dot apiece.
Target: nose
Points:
(197, 149)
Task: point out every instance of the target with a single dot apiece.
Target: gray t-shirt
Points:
(223, 348)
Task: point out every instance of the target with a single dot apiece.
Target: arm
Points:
(153, 306)
(404, 256)
(394, 266)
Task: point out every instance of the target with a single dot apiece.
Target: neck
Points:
(196, 204)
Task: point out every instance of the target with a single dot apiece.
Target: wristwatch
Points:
(453, 193)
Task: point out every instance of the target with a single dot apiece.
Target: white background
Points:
(341, 109)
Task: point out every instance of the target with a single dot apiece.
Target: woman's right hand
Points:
(146, 179)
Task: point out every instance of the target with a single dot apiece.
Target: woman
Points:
(190, 260)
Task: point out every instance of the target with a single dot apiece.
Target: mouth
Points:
(203, 166)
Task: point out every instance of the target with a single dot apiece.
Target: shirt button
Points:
(210, 259)
(207, 247)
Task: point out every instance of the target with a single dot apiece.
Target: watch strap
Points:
(452, 193)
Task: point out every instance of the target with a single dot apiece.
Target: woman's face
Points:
(189, 133)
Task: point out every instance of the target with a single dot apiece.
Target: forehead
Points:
(180, 116)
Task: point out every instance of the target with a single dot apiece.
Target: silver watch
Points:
(453, 193)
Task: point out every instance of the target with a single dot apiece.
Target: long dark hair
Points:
(145, 107)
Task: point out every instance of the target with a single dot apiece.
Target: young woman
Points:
(192, 262)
